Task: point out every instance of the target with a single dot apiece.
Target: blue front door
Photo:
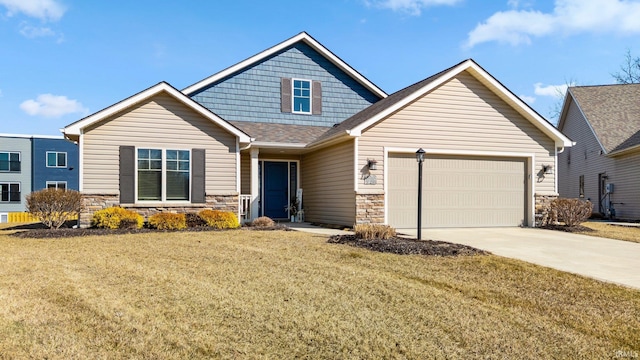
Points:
(276, 189)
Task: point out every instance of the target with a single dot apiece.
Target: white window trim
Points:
(66, 157)
(293, 103)
(163, 180)
(9, 159)
(56, 183)
(19, 190)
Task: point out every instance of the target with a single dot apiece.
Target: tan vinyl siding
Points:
(585, 158)
(160, 122)
(327, 183)
(460, 115)
(245, 173)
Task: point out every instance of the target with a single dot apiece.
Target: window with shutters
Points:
(300, 96)
(163, 175)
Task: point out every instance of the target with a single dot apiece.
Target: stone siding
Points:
(369, 208)
(94, 202)
(543, 213)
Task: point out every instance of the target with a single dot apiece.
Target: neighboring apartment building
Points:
(30, 163)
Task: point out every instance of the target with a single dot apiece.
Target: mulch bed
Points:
(572, 229)
(404, 246)
(38, 232)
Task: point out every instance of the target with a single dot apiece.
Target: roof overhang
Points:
(488, 80)
(74, 130)
(302, 37)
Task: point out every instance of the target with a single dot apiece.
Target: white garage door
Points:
(457, 191)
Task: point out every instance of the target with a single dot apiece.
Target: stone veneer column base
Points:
(543, 213)
(369, 208)
(94, 202)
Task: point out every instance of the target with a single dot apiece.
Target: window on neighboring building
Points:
(163, 174)
(301, 96)
(581, 186)
(9, 192)
(56, 159)
(10, 161)
(57, 185)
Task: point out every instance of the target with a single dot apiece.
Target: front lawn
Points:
(276, 294)
(619, 232)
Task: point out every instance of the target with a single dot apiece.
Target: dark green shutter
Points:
(285, 95)
(198, 170)
(316, 104)
(127, 174)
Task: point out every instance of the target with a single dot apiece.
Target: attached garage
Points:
(458, 191)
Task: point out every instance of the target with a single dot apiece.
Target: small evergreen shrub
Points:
(374, 231)
(219, 219)
(54, 206)
(572, 212)
(168, 221)
(117, 218)
(263, 221)
(194, 220)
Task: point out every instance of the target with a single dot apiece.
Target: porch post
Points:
(255, 181)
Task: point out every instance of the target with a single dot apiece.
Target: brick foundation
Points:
(369, 208)
(94, 202)
(543, 213)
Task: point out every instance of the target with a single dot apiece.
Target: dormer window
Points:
(300, 96)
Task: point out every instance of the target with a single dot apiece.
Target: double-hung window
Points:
(10, 161)
(163, 175)
(56, 159)
(9, 192)
(301, 96)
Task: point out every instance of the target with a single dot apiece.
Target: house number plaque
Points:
(370, 180)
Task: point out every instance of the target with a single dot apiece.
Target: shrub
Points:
(572, 212)
(54, 206)
(219, 219)
(263, 221)
(168, 221)
(117, 218)
(194, 220)
(374, 231)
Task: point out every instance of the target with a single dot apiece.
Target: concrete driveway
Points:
(599, 258)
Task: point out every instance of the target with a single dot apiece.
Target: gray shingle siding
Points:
(253, 94)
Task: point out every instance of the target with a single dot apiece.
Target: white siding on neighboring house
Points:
(160, 122)
(464, 116)
(327, 182)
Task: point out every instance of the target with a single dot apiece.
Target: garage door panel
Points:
(457, 191)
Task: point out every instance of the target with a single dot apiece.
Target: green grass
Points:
(273, 294)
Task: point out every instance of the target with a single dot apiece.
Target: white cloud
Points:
(568, 17)
(34, 32)
(528, 99)
(44, 10)
(556, 91)
(52, 106)
(413, 7)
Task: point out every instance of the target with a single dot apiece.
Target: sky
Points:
(61, 60)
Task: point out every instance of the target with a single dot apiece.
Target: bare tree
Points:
(629, 71)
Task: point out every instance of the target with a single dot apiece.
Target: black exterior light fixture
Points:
(420, 159)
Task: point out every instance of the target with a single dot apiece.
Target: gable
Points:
(253, 93)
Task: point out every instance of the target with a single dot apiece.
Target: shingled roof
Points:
(280, 133)
(613, 112)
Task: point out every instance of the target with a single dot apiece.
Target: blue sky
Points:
(61, 60)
